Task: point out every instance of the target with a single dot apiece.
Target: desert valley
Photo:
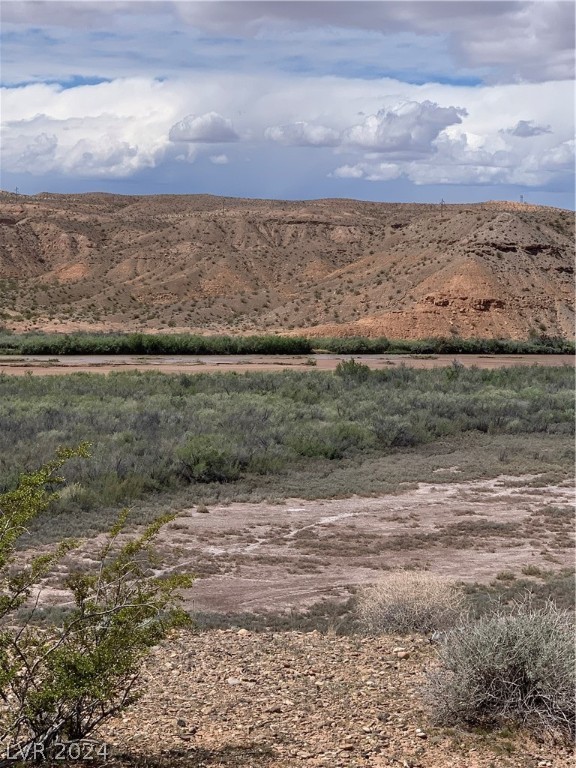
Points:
(287, 384)
(296, 472)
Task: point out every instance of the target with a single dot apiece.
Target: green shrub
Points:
(59, 681)
(209, 459)
(410, 601)
(314, 441)
(350, 369)
(508, 667)
(397, 432)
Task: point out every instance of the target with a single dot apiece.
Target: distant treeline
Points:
(150, 344)
(187, 344)
(358, 345)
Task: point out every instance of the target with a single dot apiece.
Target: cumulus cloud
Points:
(303, 134)
(349, 172)
(409, 127)
(110, 130)
(526, 128)
(219, 159)
(37, 151)
(369, 171)
(96, 147)
(470, 159)
(210, 128)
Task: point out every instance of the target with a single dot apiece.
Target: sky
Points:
(388, 100)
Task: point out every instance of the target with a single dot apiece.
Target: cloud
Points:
(219, 159)
(303, 134)
(95, 147)
(369, 171)
(471, 160)
(21, 152)
(408, 127)
(110, 130)
(531, 41)
(559, 157)
(210, 128)
(349, 172)
(376, 130)
(526, 128)
(518, 40)
(503, 40)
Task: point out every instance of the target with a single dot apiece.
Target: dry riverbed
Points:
(47, 365)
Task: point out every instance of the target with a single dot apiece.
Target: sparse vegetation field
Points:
(240, 437)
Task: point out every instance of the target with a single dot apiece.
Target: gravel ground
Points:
(284, 700)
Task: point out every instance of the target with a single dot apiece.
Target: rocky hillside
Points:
(329, 267)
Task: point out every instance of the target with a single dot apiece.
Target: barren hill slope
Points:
(329, 267)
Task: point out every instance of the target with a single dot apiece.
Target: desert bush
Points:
(397, 432)
(410, 601)
(59, 681)
(350, 369)
(553, 585)
(508, 667)
(314, 441)
(209, 458)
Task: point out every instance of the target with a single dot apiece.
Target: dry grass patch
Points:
(410, 601)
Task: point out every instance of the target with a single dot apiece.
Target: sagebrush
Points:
(508, 667)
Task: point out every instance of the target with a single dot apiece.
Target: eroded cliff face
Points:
(327, 267)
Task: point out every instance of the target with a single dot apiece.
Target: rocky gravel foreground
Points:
(283, 700)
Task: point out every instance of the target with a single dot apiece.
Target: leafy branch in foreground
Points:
(61, 682)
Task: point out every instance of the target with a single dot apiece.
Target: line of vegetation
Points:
(536, 345)
(150, 344)
(229, 436)
(38, 343)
